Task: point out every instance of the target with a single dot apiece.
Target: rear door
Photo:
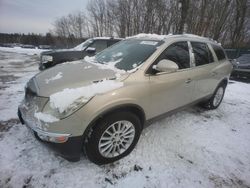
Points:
(204, 70)
(172, 90)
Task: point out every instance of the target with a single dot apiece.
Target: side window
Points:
(219, 52)
(178, 53)
(210, 56)
(201, 53)
(99, 45)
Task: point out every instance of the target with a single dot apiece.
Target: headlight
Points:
(72, 108)
(46, 58)
(62, 112)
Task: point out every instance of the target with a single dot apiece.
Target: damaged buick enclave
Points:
(100, 105)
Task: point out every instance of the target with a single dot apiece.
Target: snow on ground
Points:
(28, 51)
(15, 70)
(192, 148)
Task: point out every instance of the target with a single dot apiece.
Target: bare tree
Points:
(237, 32)
(72, 25)
(223, 20)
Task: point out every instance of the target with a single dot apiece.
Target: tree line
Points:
(38, 39)
(227, 21)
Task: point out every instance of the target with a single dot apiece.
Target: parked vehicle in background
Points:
(101, 106)
(88, 48)
(47, 47)
(28, 46)
(241, 68)
(10, 45)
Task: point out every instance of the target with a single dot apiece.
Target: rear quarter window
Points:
(219, 52)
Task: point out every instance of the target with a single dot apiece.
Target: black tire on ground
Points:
(210, 104)
(92, 145)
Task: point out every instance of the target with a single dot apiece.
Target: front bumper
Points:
(70, 149)
(45, 65)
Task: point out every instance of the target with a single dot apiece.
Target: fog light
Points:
(53, 137)
(61, 139)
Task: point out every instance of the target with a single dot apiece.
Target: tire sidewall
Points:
(212, 99)
(91, 147)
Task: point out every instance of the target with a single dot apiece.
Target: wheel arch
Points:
(136, 109)
(224, 82)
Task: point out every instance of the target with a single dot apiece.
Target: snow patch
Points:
(117, 54)
(149, 43)
(134, 65)
(89, 59)
(150, 36)
(72, 62)
(162, 37)
(87, 67)
(111, 65)
(67, 97)
(107, 65)
(47, 118)
(105, 38)
(58, 76)
(28, 51)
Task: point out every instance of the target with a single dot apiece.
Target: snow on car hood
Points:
(70, 75)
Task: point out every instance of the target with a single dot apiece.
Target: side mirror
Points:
(90, 50)
(166, 66)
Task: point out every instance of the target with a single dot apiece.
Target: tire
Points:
(216, 99)
(100, 141)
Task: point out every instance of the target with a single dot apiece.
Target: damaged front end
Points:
(62, 143)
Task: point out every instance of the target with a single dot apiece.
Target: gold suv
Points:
(100, 105)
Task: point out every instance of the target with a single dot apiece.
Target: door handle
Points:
(188, 80)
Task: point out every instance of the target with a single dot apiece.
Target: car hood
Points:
(53, 52)
(69, 75)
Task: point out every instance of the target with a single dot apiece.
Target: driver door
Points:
(170, 91)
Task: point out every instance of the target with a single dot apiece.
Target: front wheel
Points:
(113, 137)
(215, 101)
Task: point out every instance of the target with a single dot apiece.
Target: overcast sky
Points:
(23, 16)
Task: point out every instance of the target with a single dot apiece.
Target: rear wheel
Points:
(215, 101)
(113, 137)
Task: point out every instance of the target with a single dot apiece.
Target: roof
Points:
(106, 38)
(165, 37)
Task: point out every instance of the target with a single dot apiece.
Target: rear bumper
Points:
(70, 150)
